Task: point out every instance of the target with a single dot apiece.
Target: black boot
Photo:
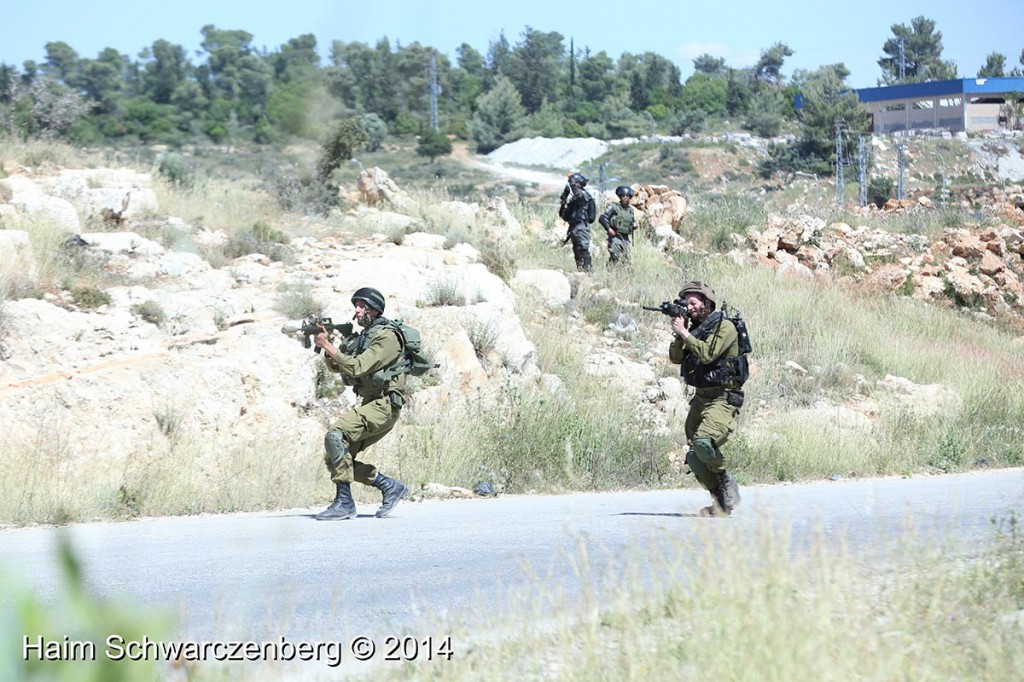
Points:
(730, 491)
(343, 506)
(716, 508)
(726, 495)
(392, 492)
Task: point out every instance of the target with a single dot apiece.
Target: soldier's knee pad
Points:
(693, 461)
(704, 449)
(334, 444)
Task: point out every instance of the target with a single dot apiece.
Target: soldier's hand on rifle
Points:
(322, 340)
(679, 327)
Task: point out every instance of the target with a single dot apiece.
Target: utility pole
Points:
(572, 62)
(435, 90)
(903, 62)
(840, 163)
(901, 168)
(862, 171)
(942, 160)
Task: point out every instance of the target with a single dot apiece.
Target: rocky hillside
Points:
(177, 349)
(976, 267)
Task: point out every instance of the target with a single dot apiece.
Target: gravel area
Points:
(555, 152)
(1002, 155)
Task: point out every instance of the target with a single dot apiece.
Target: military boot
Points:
(343, 506)
(728, 490)
(392, 492)
(725, 496)
(715, 508)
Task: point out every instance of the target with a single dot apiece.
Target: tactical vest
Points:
(385, 379)
(621, 219)
(579, 209)
(728, 371)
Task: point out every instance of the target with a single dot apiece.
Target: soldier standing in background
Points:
(578, 209)
(619, 221)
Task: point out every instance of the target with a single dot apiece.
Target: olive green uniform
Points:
(363, 362)
(713, 409)
(622, 219)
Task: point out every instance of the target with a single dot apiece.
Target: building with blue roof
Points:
(967, 104)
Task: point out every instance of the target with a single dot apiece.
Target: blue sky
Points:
(819, 32)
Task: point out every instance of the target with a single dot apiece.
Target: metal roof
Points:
(960, 86)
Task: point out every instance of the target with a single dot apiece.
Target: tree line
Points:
(540, 86)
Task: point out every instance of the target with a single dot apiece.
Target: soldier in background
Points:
(619, 221)
(578, 209)
(707, 347)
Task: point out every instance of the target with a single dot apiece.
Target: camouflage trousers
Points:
(711, 418)
(361, 427)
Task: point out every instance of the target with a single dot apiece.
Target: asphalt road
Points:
(266, 575)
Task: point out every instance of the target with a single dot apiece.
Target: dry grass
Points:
(229, 206)
(731, 606)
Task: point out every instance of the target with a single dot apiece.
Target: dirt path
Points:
(545, 181)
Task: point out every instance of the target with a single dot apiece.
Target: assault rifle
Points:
(674, 309)
(313, 325)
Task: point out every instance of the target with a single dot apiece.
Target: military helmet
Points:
(578, 179)
(370, 297)
(624, 191)
(695, 287)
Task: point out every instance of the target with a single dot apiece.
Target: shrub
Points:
(329, 385)
(296, 300)
(174, 170)
(260, 238)
(89, 297)
(483, 334)
(434, 144)
(346, 137)
(499, 256)
(305, 194)
(589, 446)
(445, 291)
(880, 190)
(715, 218)
(150, 311)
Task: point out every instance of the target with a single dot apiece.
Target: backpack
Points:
(734, 316)
(416, 362)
